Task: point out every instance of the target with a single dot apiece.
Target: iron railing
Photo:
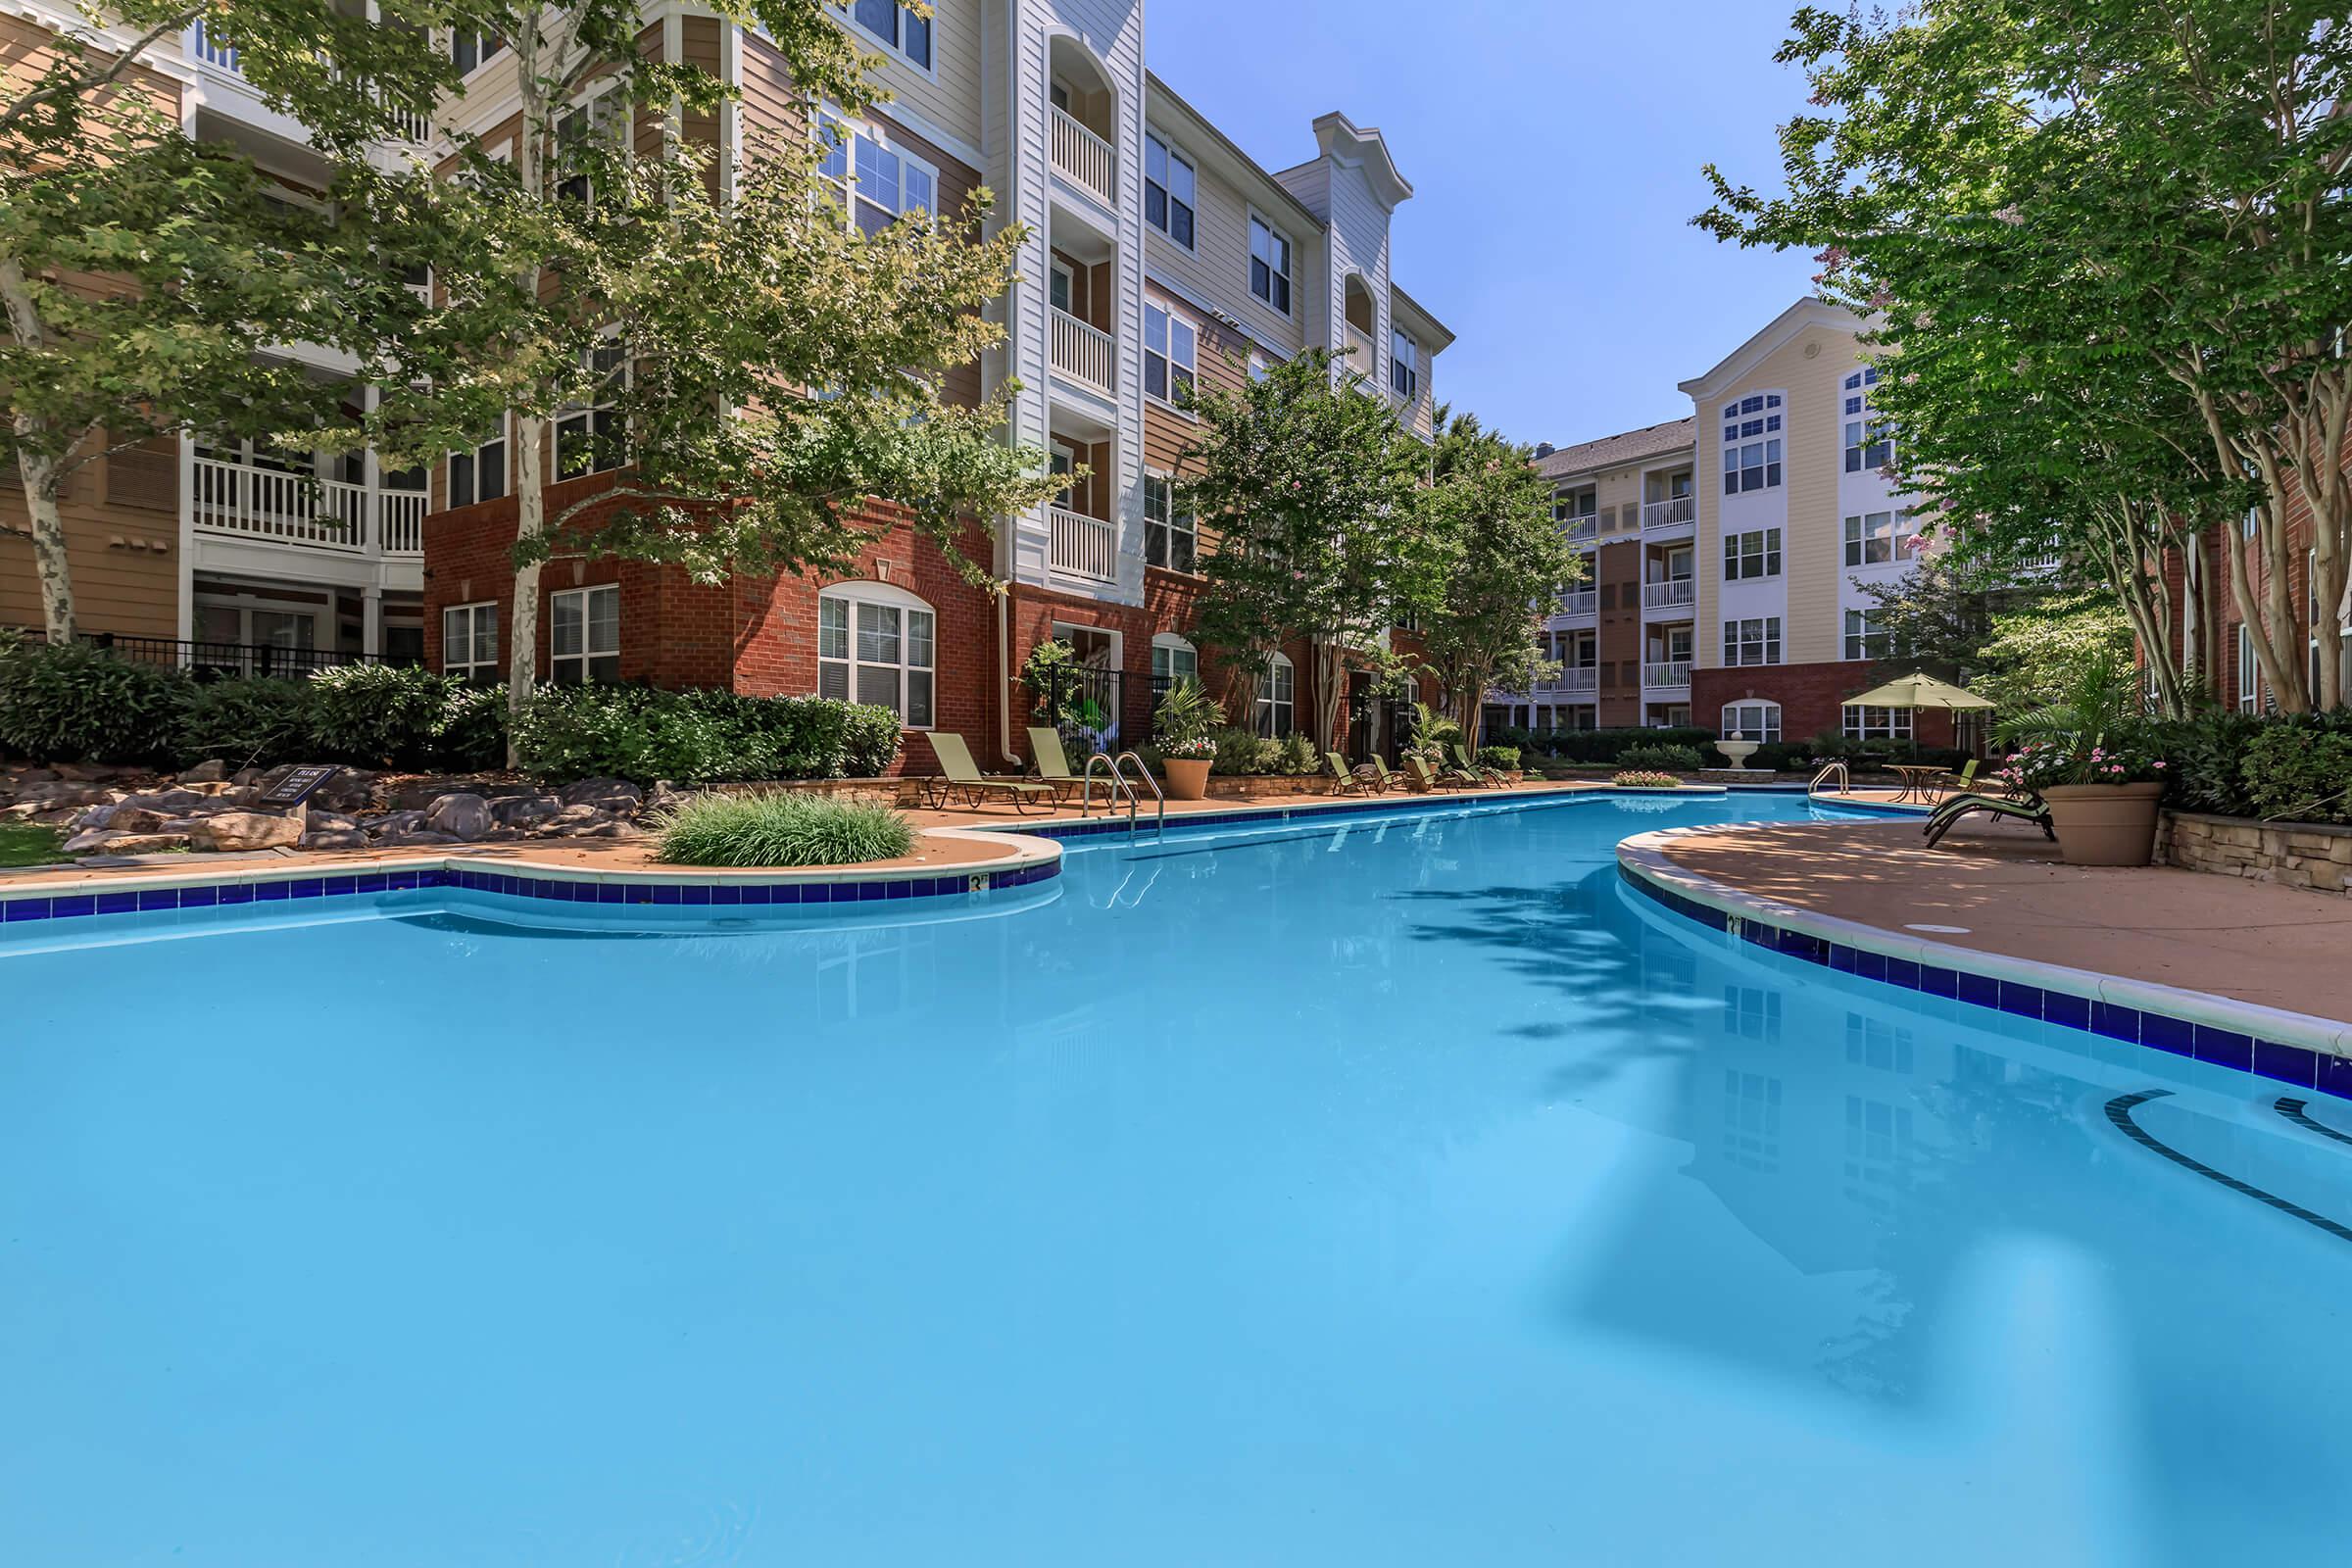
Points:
(212, 661)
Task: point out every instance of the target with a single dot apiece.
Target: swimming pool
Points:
(1402, 1191)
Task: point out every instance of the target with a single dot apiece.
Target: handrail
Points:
(1116, 771)
(1118, 787)
(1845, 783)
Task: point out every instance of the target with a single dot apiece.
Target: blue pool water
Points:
(1400, 1193)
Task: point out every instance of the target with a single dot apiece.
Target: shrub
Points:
(1186, 722)
(1243, 750)
(1608, 745)
(698, 737)
(1642, 779)
(780, 829)
(379, 715)
(82, 703)
(246, 724)
(1504, 758)
(473, 730)
(2299, 772)
(1660, 759)
(1297, 756)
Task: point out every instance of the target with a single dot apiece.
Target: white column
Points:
(371, 617)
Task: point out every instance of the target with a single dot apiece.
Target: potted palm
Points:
(2086, 756)
(1184, 728)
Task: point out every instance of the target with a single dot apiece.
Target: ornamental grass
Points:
(781, 829)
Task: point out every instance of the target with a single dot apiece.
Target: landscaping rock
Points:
(394, 823)
(607, 829)
(244, 830)
(461, 815)
(139, 820)
(111, 843)
(524, 811)
(609, 794)
(335, 839)
(419, 837)
(212, 771)
(164, 800)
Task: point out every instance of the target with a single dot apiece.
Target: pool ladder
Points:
(1118, 786)
(1830, 770)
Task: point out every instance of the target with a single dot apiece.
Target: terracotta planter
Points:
(1188, 777)
(2104, 824)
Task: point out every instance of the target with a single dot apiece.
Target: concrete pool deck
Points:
(2005, 886)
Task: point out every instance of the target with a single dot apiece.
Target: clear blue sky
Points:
(1554, 152)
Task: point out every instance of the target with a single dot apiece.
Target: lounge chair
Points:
(1962, 782)
(1472, 770)
(1358, 780)
(1380, 775)
(1430, 779)
(2022, 808)
(1052, 763)
(963, 779)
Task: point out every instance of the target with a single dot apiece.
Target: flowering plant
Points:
(1191, 749)
(2039, 765)
(1184, 725)
(1642, 779)
(2091, 734)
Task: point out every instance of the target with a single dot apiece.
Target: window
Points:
(1404, 366)
(1754, 553)
(877, 644)
(1277, 689)
(2248, 669)
(890, 183)
(1870, 539)
(1868, 448)
(595, 119)
(1754, 641)
(1755, 465)
(1170, 537)
(1754, 721)
(900, 28)
(1863, 637)
(1173, 658)
(481, 473)
(469, 642)
(1574, 506)
(1171, 354)
(1877, 723)
(588, 435)
(1062, 288)
(469, 51)
(1269, 265)
(583, 636)
(1169, 192)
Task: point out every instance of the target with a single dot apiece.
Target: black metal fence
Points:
(1093, 709)
(219, 661)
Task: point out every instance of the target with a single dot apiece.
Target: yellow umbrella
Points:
(1919, 691)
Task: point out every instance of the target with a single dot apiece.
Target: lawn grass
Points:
(28, 844)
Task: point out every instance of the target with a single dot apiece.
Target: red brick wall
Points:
(1812, 698)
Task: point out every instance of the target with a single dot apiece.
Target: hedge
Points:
(2295, 769)
(698, 737)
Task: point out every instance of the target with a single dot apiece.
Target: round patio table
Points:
(1919, 781)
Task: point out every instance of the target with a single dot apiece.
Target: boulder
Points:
(607, 829)
(335, 839)
(244, 830)
(62, 791)
(610, 794)
(164, 800)
(211, 771)
(417, 837)
(461, 815)
(330, 821)
(128, 818)
(112, 843)
(394, 823)
(524, 811)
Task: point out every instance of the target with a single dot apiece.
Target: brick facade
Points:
(1812, 698)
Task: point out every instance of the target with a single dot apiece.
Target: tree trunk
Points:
(38, 469)
(530, 522)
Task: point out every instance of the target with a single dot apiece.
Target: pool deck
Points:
(2005, 885)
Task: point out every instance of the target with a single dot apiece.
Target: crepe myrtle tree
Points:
(1314, 490)
(1498, 565)
(2134, 195)
(139, 267)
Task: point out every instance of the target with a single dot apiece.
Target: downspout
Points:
(1005, 679)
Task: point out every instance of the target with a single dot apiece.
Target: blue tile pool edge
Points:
(1031, 862)
(2268, 1042)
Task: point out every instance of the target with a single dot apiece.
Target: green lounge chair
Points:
(1962, 782)
(1380, 775)
(1346, 780)
(1430, 779)
(1486, 778)
(1052, 763)
(2022, 808)
(963, 779)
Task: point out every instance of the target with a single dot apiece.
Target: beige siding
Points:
(121, 546)
(1216, 270)
(948, 98)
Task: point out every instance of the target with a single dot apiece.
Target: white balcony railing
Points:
(407, 125)
(1580, 601)
(1082, 546)
(401, 517)
(1085, 159)
(1085, 354)
(1575, 682)
(1671, 594)
(306, 511)
(1673, 513)
(1583, 530)
(1669, 675)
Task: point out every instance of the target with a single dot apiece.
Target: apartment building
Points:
(1160, 254)
(228, 556)
(1731, 553)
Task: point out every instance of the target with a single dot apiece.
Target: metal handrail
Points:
(1118, 787)
(1118, 773)
(1845, 784)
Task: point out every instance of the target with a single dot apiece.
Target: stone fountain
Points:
(1737, 750)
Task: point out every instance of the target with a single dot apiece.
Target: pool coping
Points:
(1033, 860)
(2271, 1042)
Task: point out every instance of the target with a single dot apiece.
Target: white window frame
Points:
(1404, 364)
(1767, 728)
(1863, 530)
(1868, 443)
(599, 110)
(479, 459)
(1277, 706)
(844, 155)
(894, 42)
(473, 667)
(1171, 522)
(1171, 155)
(1754, 422)
(579, 666)
(585, 416)
(851, 661)
(1765, 642)
(1859, 723)
(1738, 555)
(1288, 272)
(482, 56)
(1167, 647)
(2249, 670)
(1861, 631)
(1172, 322)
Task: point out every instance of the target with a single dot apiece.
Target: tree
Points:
(1312, 487)
(1499, 564)
(2032, 655)
(136, 265)
(2107, 241)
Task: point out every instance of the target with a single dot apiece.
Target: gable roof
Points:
(1631, 446)
(1811, 310)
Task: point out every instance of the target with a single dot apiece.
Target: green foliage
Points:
(2207, 757)
(28, 844)
(1505, 757)
(2295, 768)
(73, 703)
(378, 715)
(2088, 733)
(1644, 779)
(698, 737)
(2031, 654)
(784, 828)
(1661, 759)
(1245, 752)
(1298, 757)
(1186, 720)
(249, 723)
(1598, 746)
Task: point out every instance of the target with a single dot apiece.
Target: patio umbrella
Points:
(1920, 691)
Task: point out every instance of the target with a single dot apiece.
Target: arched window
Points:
(1752, 721)
(1173, 658)
(1277, 698)
(878, 644)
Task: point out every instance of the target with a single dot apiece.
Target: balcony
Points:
(1676, 593)
(1672, 674)
(1572, 683)
(1084, 355)
(1082, 546)
(1580, 601)
(1583, 530)
(306, 512)
(412, 128)
(1681, 511)
(1085, 159)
